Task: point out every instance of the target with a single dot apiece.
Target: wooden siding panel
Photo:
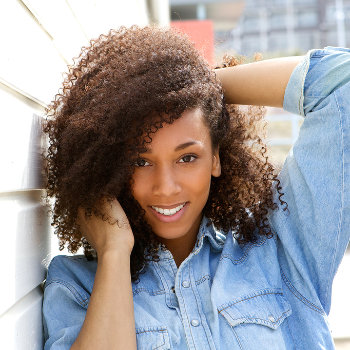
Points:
(20, 143)
(21, 326)
(29, 59)
(68, 37)
(24, 230)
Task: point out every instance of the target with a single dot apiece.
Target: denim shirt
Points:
(271, 294)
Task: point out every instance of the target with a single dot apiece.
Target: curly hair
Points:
(97, 124)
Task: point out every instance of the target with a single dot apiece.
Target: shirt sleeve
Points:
(63, 310)
(312, 235)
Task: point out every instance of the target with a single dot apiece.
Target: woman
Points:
(190, 241)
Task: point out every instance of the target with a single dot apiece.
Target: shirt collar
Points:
(206, 229)
(216, 237)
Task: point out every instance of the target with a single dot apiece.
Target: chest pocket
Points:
(152, 338)
(257, 320)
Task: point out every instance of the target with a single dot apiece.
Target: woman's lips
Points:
(170, 218)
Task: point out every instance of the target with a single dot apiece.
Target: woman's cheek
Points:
(201, 179)
(139, 186)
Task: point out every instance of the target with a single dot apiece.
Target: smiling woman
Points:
(123, 97)
(172, 185)
(187, 243)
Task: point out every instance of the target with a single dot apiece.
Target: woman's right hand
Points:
(107, 235)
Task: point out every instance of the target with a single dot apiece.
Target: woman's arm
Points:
(314, 233)
(260, 83)
(109, 322)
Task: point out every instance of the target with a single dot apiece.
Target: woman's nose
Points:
(166, 182)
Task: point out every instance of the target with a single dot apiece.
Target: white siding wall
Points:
(38, 39)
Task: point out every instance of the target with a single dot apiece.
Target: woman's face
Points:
(172, 179)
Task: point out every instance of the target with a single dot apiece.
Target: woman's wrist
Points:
(119, 253)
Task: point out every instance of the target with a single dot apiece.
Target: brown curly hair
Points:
(97, 125)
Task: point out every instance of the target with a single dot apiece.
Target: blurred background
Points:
(39, 38)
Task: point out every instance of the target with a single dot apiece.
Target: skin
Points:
(168, 175)
(260, 83)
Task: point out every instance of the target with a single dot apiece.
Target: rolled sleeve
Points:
(316, 77)
(294, 94)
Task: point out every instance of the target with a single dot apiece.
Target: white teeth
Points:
(168, 212)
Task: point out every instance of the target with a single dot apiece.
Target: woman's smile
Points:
(170, 213)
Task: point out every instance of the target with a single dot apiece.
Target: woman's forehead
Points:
(188, 129)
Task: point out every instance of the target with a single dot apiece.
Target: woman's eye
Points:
(141, 162)
(188, 158)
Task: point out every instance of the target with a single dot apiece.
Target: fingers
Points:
(117, 213)
(107, 228)
(109, 210)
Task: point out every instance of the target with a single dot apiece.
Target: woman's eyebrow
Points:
(186, 144)
(177, 148)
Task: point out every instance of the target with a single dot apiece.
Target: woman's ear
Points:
(216, 166)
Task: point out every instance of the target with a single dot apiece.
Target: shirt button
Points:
(173, 289)
(195, 323)
(185, 284)
(271, 318)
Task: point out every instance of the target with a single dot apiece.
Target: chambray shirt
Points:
(271, 294)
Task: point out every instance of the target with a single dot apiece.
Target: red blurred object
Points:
(202, 35)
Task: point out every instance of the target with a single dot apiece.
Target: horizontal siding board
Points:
(24, 228)
(29, 59)
(20, 143)
(68, 38)
(21, 326)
